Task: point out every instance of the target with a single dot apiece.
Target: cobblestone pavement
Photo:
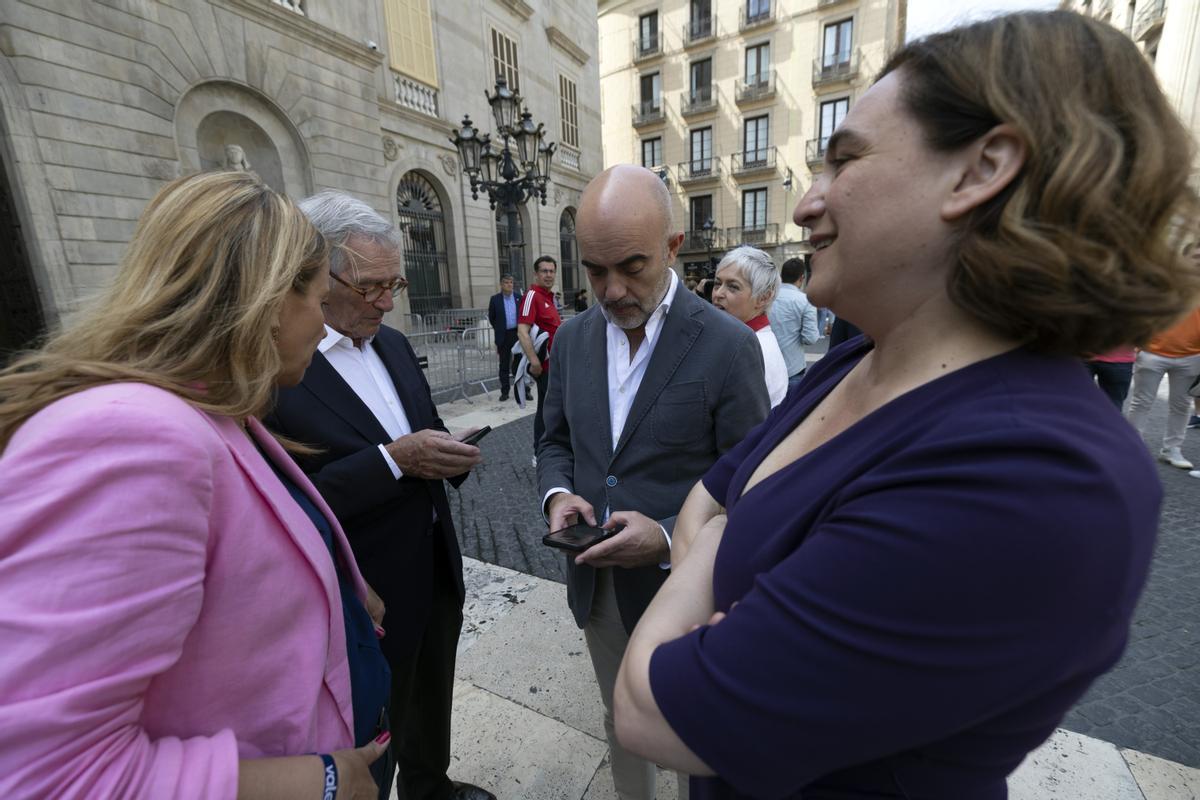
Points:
(1149, 702)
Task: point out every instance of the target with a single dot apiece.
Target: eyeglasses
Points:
(375, 292)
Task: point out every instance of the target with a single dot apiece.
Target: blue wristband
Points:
(329, 775)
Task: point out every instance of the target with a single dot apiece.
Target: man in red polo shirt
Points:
(537, 308)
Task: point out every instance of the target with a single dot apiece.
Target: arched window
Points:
(423, 229)
(569, 255)
(511, 245)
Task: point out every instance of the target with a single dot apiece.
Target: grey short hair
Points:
(758, 270)
(339, 216)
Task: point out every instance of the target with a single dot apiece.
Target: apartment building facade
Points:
(103, 103)
(1168, 32)
(733, 101)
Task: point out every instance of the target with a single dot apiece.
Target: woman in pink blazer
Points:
(171, 620)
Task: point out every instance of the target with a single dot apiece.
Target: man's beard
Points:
(630, 322)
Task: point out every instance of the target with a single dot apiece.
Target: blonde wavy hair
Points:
(193, 306)
(1082, 252)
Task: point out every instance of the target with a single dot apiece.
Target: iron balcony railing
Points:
(646, 112)
(699, 169)
(758, 87)
(814, 151)
(698, 29)
(646, 46)
(835, 67)
(761, 159)
(693, 240)
(756, 235)
(763, 13)
(698, 101)
(1149, 20)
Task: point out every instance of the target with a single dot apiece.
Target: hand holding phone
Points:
(578, 538)
(474, 438)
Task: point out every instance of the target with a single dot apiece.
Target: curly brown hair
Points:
(1081, 253)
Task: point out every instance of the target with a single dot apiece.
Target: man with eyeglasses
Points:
(539, 309)
(383, 456)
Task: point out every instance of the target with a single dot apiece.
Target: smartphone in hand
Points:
(578, 538)
(477, 435)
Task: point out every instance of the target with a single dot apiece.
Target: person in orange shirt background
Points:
(1176, 353)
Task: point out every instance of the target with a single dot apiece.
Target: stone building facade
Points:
(733, 101)
(101, 103)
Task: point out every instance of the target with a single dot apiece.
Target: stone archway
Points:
(213, 116)
(422, 222)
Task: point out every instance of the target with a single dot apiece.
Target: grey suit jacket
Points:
(702, 392)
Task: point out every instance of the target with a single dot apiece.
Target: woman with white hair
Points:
(746, 285)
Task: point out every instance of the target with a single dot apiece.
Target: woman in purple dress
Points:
(899, 583)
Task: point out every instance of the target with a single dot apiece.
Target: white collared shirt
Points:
(625, 375)
(363, 370)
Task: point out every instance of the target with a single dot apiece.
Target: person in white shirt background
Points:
(746, 286)
(793, 318)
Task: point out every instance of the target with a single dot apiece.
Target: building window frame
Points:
(655, 101)
(568, 106)
(656, 151)
(701, 164)
(842, 29)
(412, 48)
(755, 213)
(762, 52)
(649, 31)
(505, 58)
(825, 131)
(762, 138)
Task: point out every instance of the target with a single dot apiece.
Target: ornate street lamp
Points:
(512, 170)
(708, 233)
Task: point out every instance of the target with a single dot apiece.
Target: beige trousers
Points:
(633, 776)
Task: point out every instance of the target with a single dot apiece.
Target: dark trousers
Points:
(422, 692)
(508, 362)
(539, 424)
(1113, 379)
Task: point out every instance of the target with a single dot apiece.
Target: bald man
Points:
(650, 386)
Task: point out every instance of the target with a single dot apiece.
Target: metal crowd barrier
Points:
(458, 352)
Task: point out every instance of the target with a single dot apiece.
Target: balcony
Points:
(698, 101)
(698, 170)
(663, 172)
(1149, 20)
(760, 87)
(415, 96)
(814, 152)
(699, 30)
(754, 162)
(754, 235)
(836, 68)
(568, 156)
(763, 14)
(291, 5)
(693, 241)
(647, 113)
(646, 47)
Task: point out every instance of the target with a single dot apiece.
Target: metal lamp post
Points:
(708, 233)
(512, 170)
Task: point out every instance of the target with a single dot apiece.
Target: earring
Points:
(275, 335)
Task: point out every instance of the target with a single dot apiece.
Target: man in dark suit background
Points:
(383, 455)
(503, 310)
(649, 387)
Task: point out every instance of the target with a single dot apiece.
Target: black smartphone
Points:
(477, 435)
(578, 538)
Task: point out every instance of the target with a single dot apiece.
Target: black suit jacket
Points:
(496, 313)
(386, 520)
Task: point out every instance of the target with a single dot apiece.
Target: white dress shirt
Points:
(363, 370)
(625, 377)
